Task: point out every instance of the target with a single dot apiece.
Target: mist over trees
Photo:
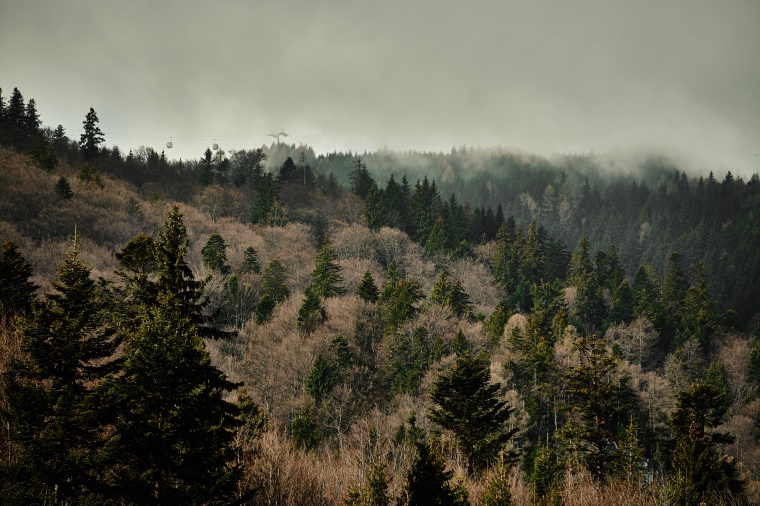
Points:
(275, 326)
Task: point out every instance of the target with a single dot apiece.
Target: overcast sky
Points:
(539, 76)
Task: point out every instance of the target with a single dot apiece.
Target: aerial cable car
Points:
(216, 146)
(169, 144)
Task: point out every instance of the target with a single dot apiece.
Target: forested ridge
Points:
(275, 326)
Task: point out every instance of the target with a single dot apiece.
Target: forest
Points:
(276, 326)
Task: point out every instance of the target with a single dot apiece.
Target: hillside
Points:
(615, 320)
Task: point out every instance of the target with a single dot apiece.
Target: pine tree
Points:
(288, 171)
(214, 254)
(266, 209)
(207, 169)
(16, 291)
(172, 427)
(91, 138)
(429, 483)
(361, 180)
(54, 391)
(367, 289)
(31, 119)
(699, 472)
(312, 313)
(326, 278)
(601, 405)
(674, 287)
(375, 492)
(251, 261)
(63, 188)
(321, 379)
(497, 485)
(467, 405)
(273, 282)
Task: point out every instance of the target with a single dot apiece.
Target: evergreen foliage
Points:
(325, 278)
(214, 254)
(172, 428)
(601, 406)
(55, 396)
(63, 188)
(92, 137)
(700, 473)
(312, 313)
(467, 405)
(251, 261)
(16, 290)
(429, 483)
(367, 289)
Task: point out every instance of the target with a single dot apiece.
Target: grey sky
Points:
(545, 77)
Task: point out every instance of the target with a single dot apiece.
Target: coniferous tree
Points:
(321, 379)
(54, 395)
(367, 289)
(588, 299)
(601, 405)
(361, 180)
(674, 287)
(700, 317)
(467, 405)
(266, 209)
(63, 188)
(214, 254)
(91, 138)
(172, 427)
(16, 291)
(43, 155)
(251, 261)
(375, 492)
(429, 483)
(700, 473)
(325, 278)
(288, 171)
(207, 170)
(273, 282)
(312, 313)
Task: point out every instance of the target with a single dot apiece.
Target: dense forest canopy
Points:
(479, 326)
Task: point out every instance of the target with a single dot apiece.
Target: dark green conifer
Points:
(273, 282)
(467, 404)
(325, 278)
(367, 289)
(701, 475)
(91, 138)
(63, 188)
(312, 313)
(321, 378)
(214, 254)
(251, 261)
(429, 483)
(54, 396)
(172, 427)
(16, 291)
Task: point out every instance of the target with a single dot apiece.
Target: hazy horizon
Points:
(680, 78)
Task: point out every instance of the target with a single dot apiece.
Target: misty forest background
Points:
(319, 325)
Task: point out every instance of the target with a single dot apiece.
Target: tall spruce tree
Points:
(367, 289)
(16, 291)
(54, 395)
(467, 404)
(172, 427)
(92, 137)
(325, 278)
(429, 483)
(600, 403)
(701, 474)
